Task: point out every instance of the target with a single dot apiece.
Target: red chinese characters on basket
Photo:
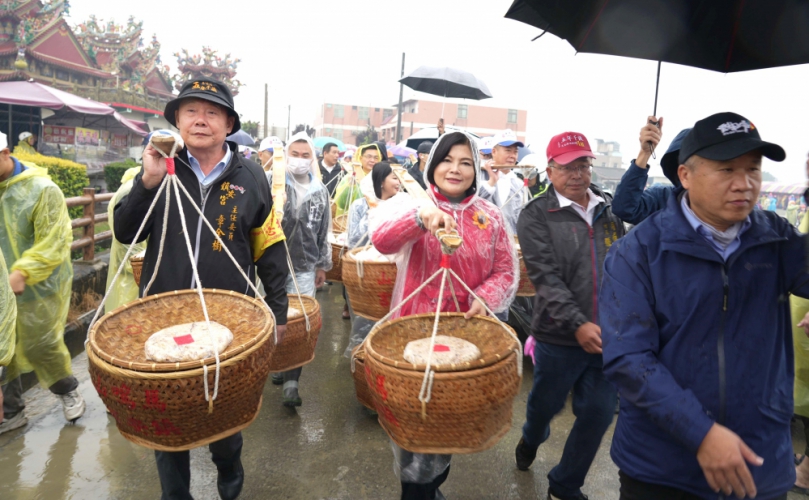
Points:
(121, 394)
(165, 427)
(153, 401)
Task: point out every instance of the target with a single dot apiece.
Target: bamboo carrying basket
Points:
(336, 272)
(339, 224)
(525, 288)
(298, 346)
(358, 373)
(137, 268)
(162, 406)
(371, 293)
(471, 405)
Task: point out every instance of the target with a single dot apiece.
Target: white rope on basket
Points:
(425, 394)
(172, 180)
(297, 289)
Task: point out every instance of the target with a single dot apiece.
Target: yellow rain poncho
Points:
(800, 341)
(344, 194)
(8, 316)
(125, 288)
(35, 239)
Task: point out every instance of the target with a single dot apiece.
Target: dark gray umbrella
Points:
(447, 82)
(242, 138)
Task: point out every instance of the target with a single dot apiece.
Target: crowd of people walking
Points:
(673, 300)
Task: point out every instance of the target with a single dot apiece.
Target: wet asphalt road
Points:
(330, 448)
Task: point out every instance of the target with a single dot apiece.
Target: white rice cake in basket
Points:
(446, 351)
(371, 254)
(293, 312)
(187, 342)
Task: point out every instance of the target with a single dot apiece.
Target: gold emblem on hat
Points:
(204, 86)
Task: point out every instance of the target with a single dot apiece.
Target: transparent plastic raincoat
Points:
(487, 262)
(800, 341)
(307, 219)
(8, 316)
(359, 236)
(512, 205)
(35, 238)
(126, 290)
(347, 191)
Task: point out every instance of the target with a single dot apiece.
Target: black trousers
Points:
(174, 467)
(632, 489)
(413, 491)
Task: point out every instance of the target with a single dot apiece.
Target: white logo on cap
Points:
(730, 128)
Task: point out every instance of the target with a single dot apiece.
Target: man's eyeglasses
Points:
(369, 157)
(572, 169)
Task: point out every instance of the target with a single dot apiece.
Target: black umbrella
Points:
(719, 35)
(447, 82)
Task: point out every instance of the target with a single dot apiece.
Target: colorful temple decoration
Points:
(209, 65)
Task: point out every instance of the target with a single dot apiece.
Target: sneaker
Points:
(291, 396)
(554, 496)
(525, 455)
(72, 405)
(15, 422)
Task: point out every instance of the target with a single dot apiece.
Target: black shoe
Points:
(277, 378)
(292, 398)
(230, 485)
(554, 496)
(525, 455)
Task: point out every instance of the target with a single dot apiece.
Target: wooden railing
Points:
(88, 220)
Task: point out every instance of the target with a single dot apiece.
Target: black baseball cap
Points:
(209, 90)
(425, 147)
(725, 136)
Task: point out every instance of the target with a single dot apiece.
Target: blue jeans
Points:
(557, 370)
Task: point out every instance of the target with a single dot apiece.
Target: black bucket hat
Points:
(207, 89)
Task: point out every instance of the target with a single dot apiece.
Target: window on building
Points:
(337, 133)
(62, 75)
(376, 110)
(353, 108)
(462, 110)
(363, 112)
(512, 116)
(328, 105)
(339, 110)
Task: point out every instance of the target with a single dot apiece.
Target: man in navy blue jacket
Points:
(633, 201)
(696, 329)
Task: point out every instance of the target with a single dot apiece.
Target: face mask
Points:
(299, 166)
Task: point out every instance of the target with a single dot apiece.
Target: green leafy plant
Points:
(115, 171)
(71, 177)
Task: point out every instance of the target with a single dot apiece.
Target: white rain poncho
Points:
(509, 193)
(35, 238)
(487, 262)
(125, 290)
(307, 219)
(358, 236)
(8, 316)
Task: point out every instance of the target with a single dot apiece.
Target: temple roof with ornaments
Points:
(209, 65)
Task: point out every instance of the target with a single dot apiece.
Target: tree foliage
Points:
(367, 136)
(310, 131)
(251, 128)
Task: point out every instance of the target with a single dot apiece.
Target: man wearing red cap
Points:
(565, 234)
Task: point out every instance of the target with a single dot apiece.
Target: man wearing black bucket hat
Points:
(696, 329)
(234, 197)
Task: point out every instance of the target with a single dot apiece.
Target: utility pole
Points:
(399, 117)
(289, 123)
(266, 100)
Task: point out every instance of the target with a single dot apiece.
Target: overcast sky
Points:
(349, 52)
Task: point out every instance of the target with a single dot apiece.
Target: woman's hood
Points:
(303, 136)
(478, 181)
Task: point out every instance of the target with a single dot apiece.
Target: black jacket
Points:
(417, 174)
(329, 179)
(565, 261)
(236, 202)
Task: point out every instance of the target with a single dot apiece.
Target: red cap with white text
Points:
(568, 146)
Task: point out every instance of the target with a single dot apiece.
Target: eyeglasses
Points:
(572, 169)
(369, 157)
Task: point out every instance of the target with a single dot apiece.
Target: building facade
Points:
(346, 121)
(484, 121)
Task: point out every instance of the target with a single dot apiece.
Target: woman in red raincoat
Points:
(487, 263)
